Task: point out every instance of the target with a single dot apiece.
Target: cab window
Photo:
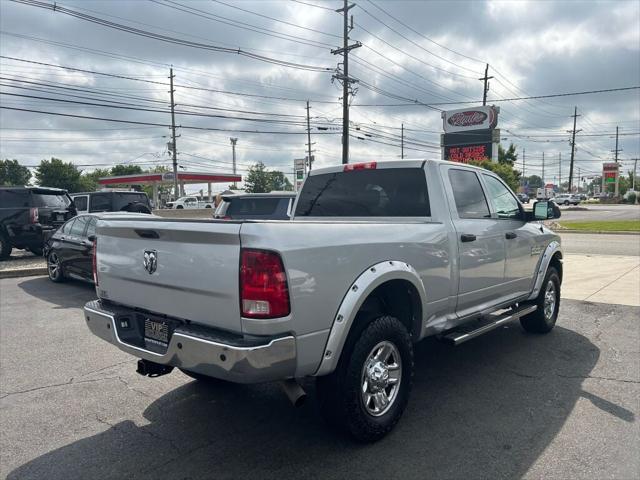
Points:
(503, 200)
(468, 194)
(100, 202)
(80, 203)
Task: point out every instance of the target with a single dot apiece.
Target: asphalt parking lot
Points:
(506, 405)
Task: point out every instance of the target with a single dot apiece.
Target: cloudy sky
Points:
(426, 52)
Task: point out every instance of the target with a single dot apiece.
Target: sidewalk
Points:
(602, 279)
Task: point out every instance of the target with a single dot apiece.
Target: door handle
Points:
(510, 235)
(467, 237)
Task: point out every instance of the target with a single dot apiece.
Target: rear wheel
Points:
(5, 247)
(548, 302)
(54, 268)
(369, 390)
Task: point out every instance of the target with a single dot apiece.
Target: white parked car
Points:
(189, 202)
(566, 199)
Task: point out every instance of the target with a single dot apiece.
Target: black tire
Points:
(179, 207)
(544, 319)
(54, 268)
(566, 202)
(340, 394)
(203, 378)
(5, 247)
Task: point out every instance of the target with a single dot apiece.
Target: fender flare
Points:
(358, 292)
(543, 265)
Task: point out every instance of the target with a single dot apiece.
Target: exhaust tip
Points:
(295, 393)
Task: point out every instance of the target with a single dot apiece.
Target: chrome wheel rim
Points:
(381, 378)
(53, 265)
(549, 300)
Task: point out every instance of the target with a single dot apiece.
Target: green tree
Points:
(508, 156)
(278, 181)
(257, 180)
(117, 170)
(12, 173)
(504, 170)
(58, 174)
(89, 180)
(534, 181)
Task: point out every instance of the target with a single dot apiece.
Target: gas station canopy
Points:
(160, 178)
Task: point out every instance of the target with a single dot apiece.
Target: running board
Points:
(460, 336)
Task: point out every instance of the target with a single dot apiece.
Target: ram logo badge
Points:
(150, 261)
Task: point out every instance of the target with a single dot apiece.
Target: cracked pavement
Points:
(505, 405)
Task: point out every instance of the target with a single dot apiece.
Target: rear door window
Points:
(10, 198)
(66, 228)
(468, 194)
(124, 199)
(91, 227)
(388, 192)
(100, 203)
(77, 229)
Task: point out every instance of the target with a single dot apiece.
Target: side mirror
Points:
(545, 210)
(91, 238)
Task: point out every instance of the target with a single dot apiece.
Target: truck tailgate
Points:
(196, 274)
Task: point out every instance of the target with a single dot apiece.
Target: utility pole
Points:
(633, 178)
(486, 79)
(309, 160)
(233, 153)
(543, 180)
(615, 152)
(560, 171)
(573, 147)
(523, 158)
(344, 76)
(174, 153)
(579, 180)
(402, 140)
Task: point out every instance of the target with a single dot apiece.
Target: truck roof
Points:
(411, 163)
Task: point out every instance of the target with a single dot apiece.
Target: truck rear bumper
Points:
(202, 350)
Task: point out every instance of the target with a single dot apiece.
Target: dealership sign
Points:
(467, 119)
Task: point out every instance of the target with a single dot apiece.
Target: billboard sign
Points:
(467, 153)
(471, 118)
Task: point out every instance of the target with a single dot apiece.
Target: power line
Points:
(167, 39)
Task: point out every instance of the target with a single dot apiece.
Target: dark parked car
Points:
(523, 197)
(116, 201)
(256, 206)
(69, 251)
(30, 215)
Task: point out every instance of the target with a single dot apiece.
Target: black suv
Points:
(30, 215)
(116, 201)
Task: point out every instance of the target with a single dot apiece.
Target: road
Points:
(506, 405)
(601, 212)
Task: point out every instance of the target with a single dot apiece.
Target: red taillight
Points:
(33, 215)
(350, 167)
(94, 261)
(263, 285)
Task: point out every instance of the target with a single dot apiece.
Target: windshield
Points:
(50, 200)
(388, 192)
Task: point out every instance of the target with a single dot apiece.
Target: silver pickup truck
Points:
(376, 257)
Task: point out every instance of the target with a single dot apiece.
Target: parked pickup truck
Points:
(376, 257)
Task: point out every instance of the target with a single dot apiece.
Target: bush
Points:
(632, 198)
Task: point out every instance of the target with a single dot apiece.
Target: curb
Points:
(603, 232)
(23, 272)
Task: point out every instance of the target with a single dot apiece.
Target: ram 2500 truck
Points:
(376, 257)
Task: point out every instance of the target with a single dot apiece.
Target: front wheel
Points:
(566, 203)
(543, 319)
(369, 390)
(54, 268)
